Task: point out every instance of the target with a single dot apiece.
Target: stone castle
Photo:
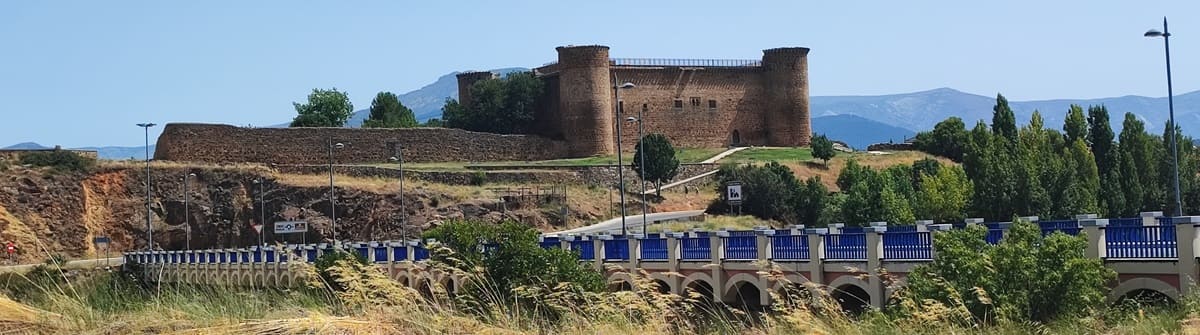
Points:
(695, 102)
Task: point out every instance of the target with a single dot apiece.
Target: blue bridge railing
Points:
(654, 249)
(907, 245)
(846, 246)
(1141, 242)
(695, 248)
(741, 247)
(1069, 227)
(616, 250)
(584, 248)
(789, 248)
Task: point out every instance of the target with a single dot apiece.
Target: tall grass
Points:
(371, 303)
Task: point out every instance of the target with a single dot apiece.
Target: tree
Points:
(388, 112)
(661, 163)
(325, 108)
(1142, 154)
(944, 195)
(948, 139)
(1004, 123)
(1081, 181)
(810, 202)
(822, 148)
(434, 123)
(498, 105)
(1075, 125)
(1100, 139)
(1026, 277)
(769, 191)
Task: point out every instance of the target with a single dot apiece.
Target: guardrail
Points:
(1154, 242)
(846, 246)
(907, 246)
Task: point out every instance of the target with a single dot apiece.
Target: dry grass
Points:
(745, 222)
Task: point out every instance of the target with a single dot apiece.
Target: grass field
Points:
(782, 155)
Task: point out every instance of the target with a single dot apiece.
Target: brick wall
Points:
(225, 143)
(736, 91)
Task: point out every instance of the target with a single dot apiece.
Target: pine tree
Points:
(1004, 123)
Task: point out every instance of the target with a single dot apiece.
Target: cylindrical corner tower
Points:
(585, 99)
(465, 80)
(785, 79)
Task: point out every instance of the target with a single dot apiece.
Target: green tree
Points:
(811, 201)
(944, 195)
(768, 192)
(498, 105)
(510, 256)
(1026, 277)
(1004, 123)
(325, 108)
(1075, 125)
(388, 112)
(852, 174)
(1081, 181)
(1100, 139)
(1141, 152)
(434, 123)
(822, 148)
(948, 139)
(661, 163)
(922, 167)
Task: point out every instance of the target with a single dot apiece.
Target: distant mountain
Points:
(922, 110)
(857, 131)
(26, 146)
(118, 153)
(426, 102)
(114, 153)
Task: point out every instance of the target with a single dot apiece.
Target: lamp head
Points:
(631, 119)
(393, 158)
(627, 85)
(1154, 33)
(339, 146)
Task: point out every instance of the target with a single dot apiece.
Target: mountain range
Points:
(856, 120)
(109, 152)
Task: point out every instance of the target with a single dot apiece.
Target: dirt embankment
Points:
(60, 213)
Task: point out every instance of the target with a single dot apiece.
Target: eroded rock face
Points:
(47, 212)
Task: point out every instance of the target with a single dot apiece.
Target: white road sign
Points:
(733, 193)
(284, 227)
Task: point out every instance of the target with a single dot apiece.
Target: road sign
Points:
(258, 228)
(733, 193)
(101, 242)
(285, 227)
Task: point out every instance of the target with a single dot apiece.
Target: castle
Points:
(695, 102)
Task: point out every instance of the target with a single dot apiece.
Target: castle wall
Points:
(465, 81)
(736, 91)
(215, 143)
(785, 76)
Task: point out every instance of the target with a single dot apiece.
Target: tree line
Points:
(332, 108)
(1005, 171)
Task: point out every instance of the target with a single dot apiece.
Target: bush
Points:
(1026, 277)
(478, 178)
(506, 259)
(329, 260)
(772, 192)
(822, 148)
(59, 160)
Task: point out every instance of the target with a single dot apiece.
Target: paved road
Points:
(631, 222)
(76, 264)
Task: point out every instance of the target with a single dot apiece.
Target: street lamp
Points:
(262, 205)
(641, 165)
(399, 158)
(332, 199)
(617, 111)
(187, 215)
(1166, 35)
(149, 227)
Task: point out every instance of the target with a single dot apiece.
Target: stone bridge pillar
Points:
(874, 264)
(1094, 228)
(1185, 234)
(816, 254)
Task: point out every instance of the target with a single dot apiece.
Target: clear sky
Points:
(82, 73)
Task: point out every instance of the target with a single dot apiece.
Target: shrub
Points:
(478, 178)
(329, 260)
(1026, 277)
(59, 160)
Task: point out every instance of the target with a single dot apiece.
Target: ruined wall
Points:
(465, 81)
(736, 91)
(225, 143)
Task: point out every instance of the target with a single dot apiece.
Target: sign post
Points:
(733, 195)
(258, 228)
(291, 227)
(102, 242)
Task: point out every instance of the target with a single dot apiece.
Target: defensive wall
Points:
(218, 143)
(859, 266)
(595, 175)
(695, 102)
(14, 155)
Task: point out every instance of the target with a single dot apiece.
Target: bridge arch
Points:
(1128, 287)
(851, 293)
(620, 281)
(746, 290)
(701, 283)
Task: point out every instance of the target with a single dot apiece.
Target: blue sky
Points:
(82, 73)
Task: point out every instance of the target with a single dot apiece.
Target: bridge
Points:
(1149, 253)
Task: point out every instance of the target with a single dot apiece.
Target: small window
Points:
(678, 104)
(645, 108)
(712, 105)
(620, 107)
(695, 102)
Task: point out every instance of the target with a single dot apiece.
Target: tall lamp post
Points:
(1166, 35)
(262, 205)
(617, 111)
(149, 227)
(399, 159)
(642, 166)
(187, 214)
(332, 196)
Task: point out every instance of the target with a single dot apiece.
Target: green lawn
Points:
(686, 155)
(769, 154)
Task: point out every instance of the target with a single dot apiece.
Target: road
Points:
(76, 264)
(631, 222)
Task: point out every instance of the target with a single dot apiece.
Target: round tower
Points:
(465, 80)
(585, 99)
(785, 80)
